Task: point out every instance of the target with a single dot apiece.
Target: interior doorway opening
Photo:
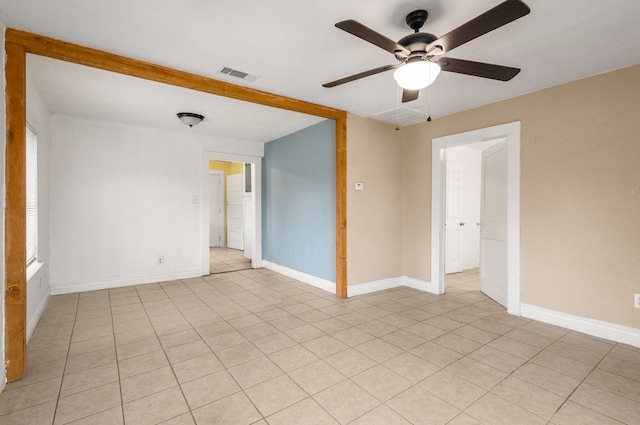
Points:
(500, 256)
(231, 229)
(464, 207)
(231, 213)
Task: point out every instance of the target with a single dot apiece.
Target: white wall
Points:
(471, 161)
(122, 197)
(231, 146)
(38, 289)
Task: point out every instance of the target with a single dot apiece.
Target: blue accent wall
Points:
(299, 201)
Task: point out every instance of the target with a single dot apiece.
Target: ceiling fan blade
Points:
(478, 69)
(373, 37)
(361, 75)
(409, 95)
(500, 15)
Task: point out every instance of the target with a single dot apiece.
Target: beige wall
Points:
(580, 193)
(416, 248)
(374, 215)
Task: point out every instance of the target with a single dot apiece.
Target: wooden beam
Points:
(17, 44)
(15, 251)
(70, 52)
(341, 207)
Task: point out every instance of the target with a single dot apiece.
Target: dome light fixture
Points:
(416, 74)
(190, 119)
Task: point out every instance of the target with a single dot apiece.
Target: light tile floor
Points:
(255, 347)
(223, 260)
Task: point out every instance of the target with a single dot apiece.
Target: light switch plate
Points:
(359, 186)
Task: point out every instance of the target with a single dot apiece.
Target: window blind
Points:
(32, 196)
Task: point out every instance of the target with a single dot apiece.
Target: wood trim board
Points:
(15, 251)
(17, 44)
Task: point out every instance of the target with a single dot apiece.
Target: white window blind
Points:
(32, 196)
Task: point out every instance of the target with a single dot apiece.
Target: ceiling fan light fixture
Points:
(190, 119)
(416, 75)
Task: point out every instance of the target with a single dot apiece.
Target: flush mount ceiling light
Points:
(416, 74)
(190, 119)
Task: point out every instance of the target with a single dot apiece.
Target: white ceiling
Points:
(294, 47)
(82, 91)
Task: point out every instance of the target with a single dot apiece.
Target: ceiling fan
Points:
(420, 54)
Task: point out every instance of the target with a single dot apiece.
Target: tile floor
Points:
(224, 260)
(255, 347)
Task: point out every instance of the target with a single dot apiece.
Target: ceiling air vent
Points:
(402, 117)
(238, 74)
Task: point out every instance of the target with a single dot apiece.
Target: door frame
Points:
(256, 181)
(221, 215)
(510, 132)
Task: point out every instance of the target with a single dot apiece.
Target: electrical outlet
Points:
(636, 301)
(160, 261)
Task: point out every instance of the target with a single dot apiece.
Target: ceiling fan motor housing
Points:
(416, 43)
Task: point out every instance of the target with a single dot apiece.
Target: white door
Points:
(453, 223)
(235, 211)
(216, 221)
(493, 230)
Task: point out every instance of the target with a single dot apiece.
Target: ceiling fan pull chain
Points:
(429, 103)
(399, 93)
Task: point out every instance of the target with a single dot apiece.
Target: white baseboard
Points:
(117, 283)
(394, 282)
(352, 290)
(598, 328)
(3, 381)
(421, 285)
(467, 266)
(375, 286)
(318, 282)
(33, 322)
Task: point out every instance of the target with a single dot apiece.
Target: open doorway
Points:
(231, 212)
(475, 188)
(500, 257)
(230, 216)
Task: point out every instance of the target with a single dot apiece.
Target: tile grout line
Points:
(115, 346)
(310, 396)
(202, 339)
(55, 411)
(228, 371)
(165, 355)
(582, 381)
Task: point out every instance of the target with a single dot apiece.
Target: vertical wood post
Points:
(15, 214)
(341, 207)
